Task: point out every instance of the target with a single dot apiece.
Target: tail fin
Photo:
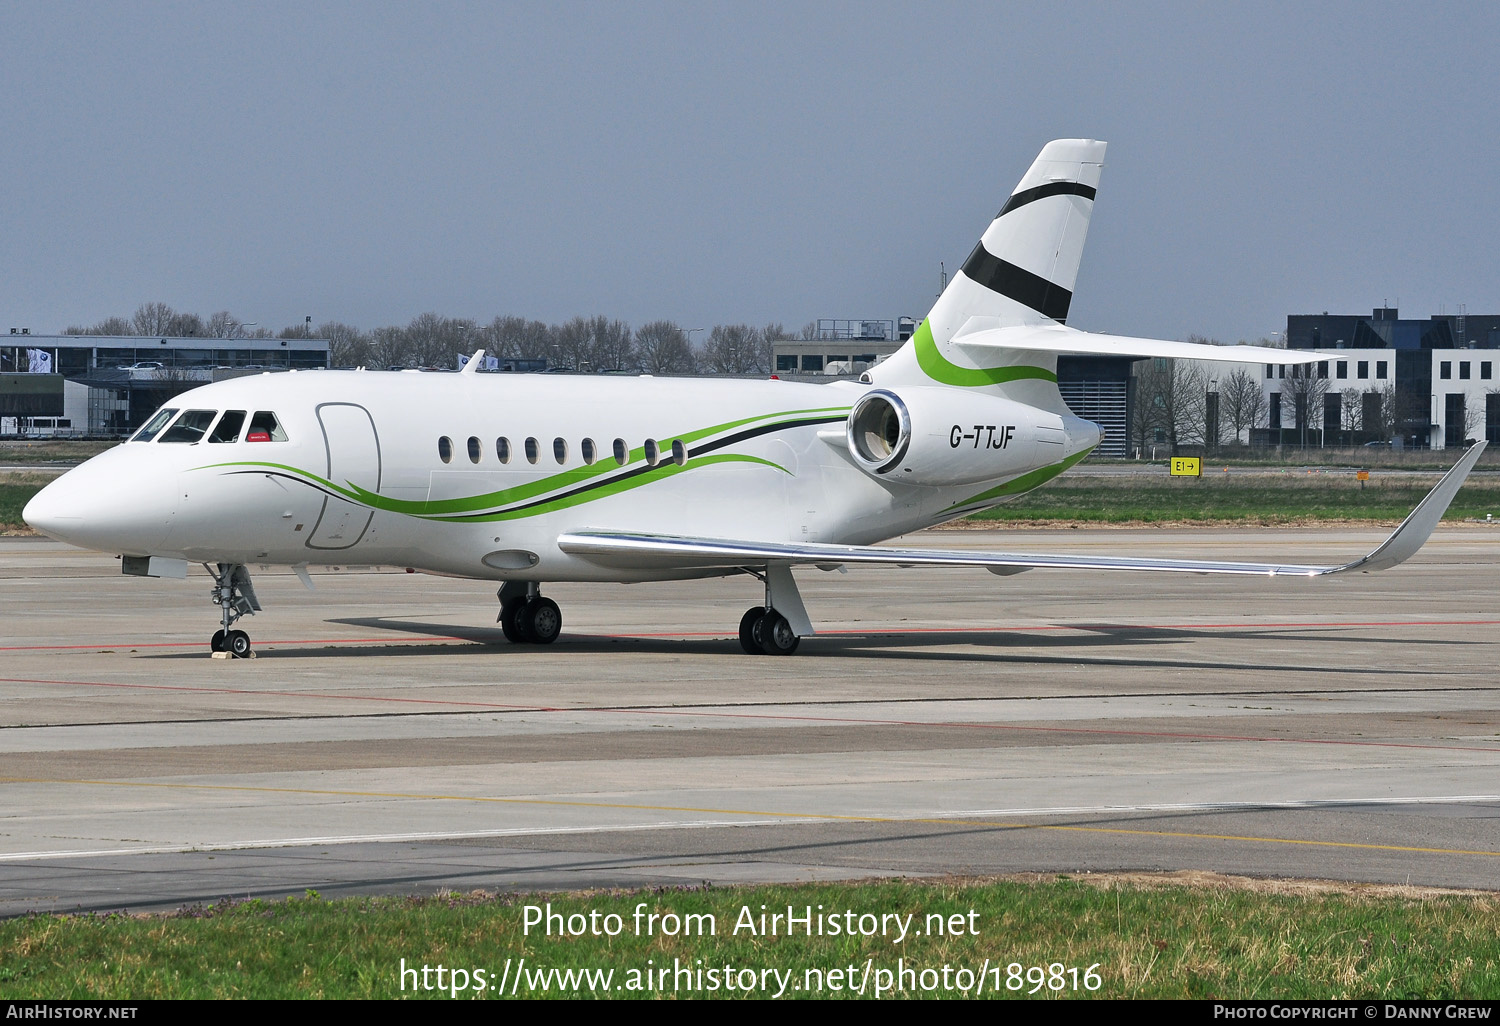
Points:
(1021, 273)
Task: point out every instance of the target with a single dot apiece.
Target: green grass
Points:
(50, 451)
(1142, 941)
(1248, 498)
(15, 492)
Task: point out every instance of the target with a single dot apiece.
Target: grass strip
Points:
(1146, 940)
(1250, 499)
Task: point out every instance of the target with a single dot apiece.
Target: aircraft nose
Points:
(49, 511)
(96, 507)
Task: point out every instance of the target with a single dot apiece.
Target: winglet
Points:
(1420, 523)
(472, 367)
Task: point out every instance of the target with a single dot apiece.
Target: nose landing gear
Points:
(235, 598)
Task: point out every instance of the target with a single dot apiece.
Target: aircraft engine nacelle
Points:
(943, 436)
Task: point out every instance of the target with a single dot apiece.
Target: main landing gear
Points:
(766, 632)
(776, 627)
(235, 598)
(526, 616)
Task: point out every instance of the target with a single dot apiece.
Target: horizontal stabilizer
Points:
(1061, 339)
(627, 550)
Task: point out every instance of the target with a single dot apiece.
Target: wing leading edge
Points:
(634, 550)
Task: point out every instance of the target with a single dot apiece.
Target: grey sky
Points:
(716, 163)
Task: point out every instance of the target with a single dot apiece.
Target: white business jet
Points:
(525, 479)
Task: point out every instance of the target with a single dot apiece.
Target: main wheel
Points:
(216, 643)
(510, 615)
(749, 635)
(238, 643)
(776, 635)
(542, 621)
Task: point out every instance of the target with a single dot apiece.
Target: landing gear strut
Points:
(235, 598)
(776, 627)
(526, 616)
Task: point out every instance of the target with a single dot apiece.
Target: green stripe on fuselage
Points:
(941, 370)
(1017, 485)
(470, 507)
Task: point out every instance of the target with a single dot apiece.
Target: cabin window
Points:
(190, 426)
(533, 450)
(228, 427)
(264, 427)
(154, 425)
(445, 449)
(474, 449)
(502, 450)
(560, 450)
(679, 452)
(622, 452)
(653, 452)
(588, 452)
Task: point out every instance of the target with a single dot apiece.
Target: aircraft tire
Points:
(776, 635)
(510, 622)
(238, 644)
(541, 620)
(749, 637)
(216, 643)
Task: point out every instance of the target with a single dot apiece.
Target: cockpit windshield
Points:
(154, 425)
(190, 426)
(228, 427)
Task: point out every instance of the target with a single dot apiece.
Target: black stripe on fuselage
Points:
(727, 440)
(1026, 196)
(1018, 284)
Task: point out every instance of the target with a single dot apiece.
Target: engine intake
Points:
(944, 436)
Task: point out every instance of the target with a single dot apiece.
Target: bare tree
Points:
(222, 325)
(1241, 400)
(152, 319)
(614, 345)
(1151, 377)
(389, 348)
(1474, 421)
(809, 331)
(517, 338)
(347, 345)
(1303, 389)
(662, 348)
(735, 349)
(1186, 406)
(1351, 412)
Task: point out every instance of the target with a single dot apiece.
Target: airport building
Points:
(107, 385)
(1422, 383)
(1429, 383)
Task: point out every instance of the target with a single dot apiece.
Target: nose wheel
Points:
(235, 598)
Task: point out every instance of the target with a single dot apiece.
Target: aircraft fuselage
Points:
(477, 475)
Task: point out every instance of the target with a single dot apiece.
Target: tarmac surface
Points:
(387, 739)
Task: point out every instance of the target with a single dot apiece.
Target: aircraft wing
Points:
(634, 550)
(1057, 338)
